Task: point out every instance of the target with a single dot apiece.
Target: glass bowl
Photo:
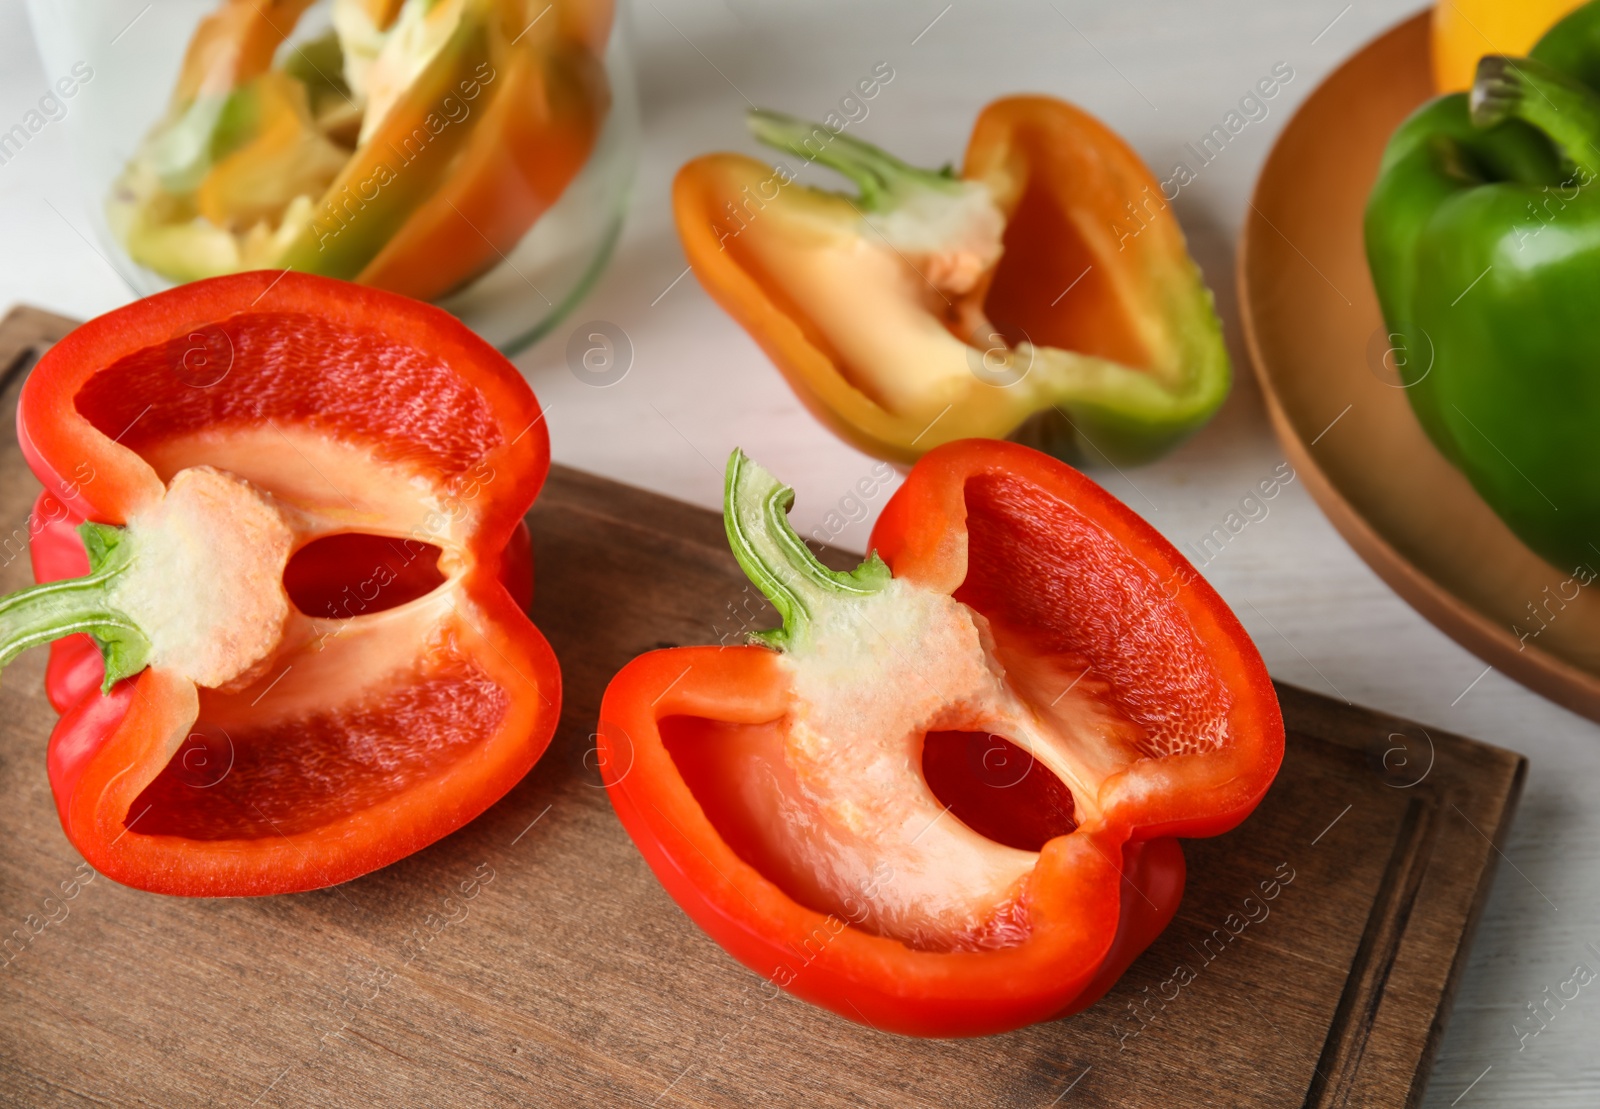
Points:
(426, 146)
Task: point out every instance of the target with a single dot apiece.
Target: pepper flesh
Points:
(1045, 296)
(786, 793)
(380, 701)
(1481, 234)
(537, 134)
(441, 131)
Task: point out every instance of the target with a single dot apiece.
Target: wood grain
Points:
(571, 979)
(1317, 339)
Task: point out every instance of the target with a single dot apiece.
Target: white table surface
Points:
(1162, 72)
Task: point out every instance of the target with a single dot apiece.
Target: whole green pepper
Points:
(1483, 236)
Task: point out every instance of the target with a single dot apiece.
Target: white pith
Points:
(322, 485)
(419, 32)
(856, 817)
(952, 237)
(206, 582)
(309, 476)
(360, 42)
(918, 349)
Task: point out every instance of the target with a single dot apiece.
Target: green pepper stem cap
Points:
(755, 513)
(51, 610)
(884, 180)
(1566, 110)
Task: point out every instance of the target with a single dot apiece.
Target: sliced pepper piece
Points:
(941, 798)
(424, 29)
(1045, 295)
(230, 48)
(287, 156)
(448, 183)
(291, 644)
(540, 122)
(1483, 237)
(381, 12)
(403, 160)
(585, 21)
(234, 44)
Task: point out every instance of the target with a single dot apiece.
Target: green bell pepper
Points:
(1483, 236)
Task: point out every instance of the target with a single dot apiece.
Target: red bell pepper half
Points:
(281, 533)
(942, 798)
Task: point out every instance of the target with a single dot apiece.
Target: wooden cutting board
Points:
(1312, 962)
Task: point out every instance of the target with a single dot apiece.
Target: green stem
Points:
(755, 511)
(1567, 111)
(46, 612)
(884, 180)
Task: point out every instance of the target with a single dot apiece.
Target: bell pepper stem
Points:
(1567, 111)
(50, 610)
(884, 180)
(756, 515)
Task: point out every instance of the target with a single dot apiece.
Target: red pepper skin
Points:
(1098, 896)
(477, 416)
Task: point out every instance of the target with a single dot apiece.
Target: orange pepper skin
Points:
(537, 131)
(382, 12)
(1094, 264)
(1466, 30)
(480, 145)
(287, 154)
(1057, 170)
(587, 22)
(700, 193)
(234, 44)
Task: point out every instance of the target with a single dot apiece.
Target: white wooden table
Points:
(1162, 72)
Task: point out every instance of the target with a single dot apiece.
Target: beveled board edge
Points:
(1461, 809)
(25, 331)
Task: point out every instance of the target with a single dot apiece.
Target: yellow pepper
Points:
(1466, 30)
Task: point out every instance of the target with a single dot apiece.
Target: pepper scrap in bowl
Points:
(410, 145)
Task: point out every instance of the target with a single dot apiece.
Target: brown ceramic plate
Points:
(1321, 352)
